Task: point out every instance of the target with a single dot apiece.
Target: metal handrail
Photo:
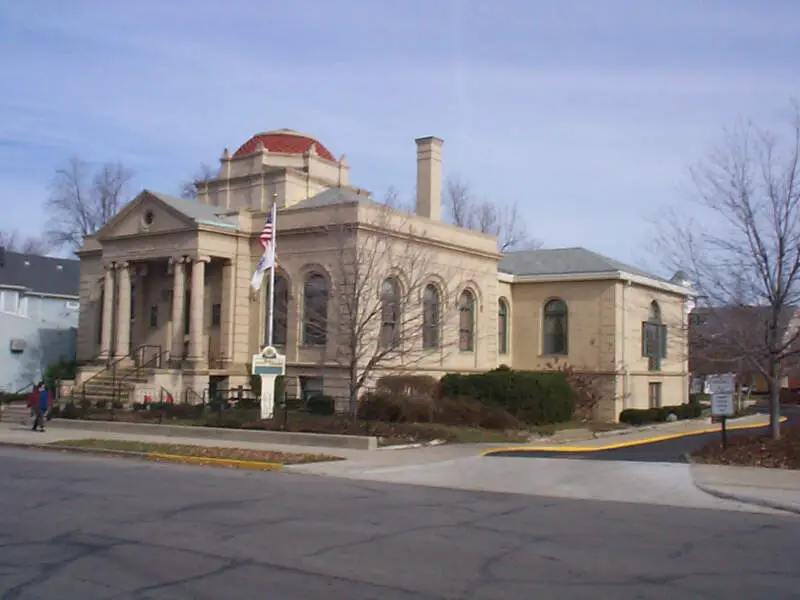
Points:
(156, 360)
(112, 366)
(187, 391)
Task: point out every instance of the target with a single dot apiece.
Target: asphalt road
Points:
(668, 451)
(81, 527)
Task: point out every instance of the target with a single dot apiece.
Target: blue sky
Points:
(586, 113)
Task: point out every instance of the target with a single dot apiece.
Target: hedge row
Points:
(533, 398)
(643, 416)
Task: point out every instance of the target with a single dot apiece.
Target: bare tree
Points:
(393, 200)
(379, 314)
(80, 203)
(501, 220)
(743, 249)
(190, 188)
(14, 242)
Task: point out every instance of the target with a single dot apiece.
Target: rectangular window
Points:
(216, 315)
(654, 395)
(9, 302)
(310, 387)
(654, 344)
(154, 316)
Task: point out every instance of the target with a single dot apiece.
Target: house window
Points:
(430, 317)
(654, 395)
(310, 387)
(502, 326)
(654, 338)
(315, 310)
(154, 316)
(22, 311)
(9, 302)
(555, 330)
(390, 313)
(466, 321)
(216, 315)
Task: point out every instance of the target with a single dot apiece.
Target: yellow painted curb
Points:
(640, 442)
(220, 462)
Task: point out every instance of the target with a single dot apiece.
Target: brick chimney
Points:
(429, 177)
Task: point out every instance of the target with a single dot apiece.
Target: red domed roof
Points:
(284, 141)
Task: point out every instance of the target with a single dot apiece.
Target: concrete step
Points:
(18, 412)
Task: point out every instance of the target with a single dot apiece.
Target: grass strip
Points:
(231, 456)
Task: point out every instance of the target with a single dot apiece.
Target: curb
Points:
(641, 442)
(743, 498)
(156, 456)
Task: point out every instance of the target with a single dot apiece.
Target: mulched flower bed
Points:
(756, 450)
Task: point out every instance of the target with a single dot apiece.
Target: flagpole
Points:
(271, 313)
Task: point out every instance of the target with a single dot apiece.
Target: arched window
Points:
(390, 313)
(502, 326)
(430, 317)
(315, 310)
(555, 330)
(281, 313)
(654, 338)
(466, 321)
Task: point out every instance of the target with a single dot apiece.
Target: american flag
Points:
(265, 239)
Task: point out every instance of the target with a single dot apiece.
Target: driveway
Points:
(667, 451)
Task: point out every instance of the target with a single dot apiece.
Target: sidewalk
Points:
(460, 466)
(11, 433)
(770, 488)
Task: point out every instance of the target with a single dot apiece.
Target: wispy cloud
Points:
(586, 113)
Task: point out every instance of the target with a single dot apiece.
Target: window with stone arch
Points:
(431, 316)
(502, 326)
(654, 338)
(466, 321)
(316, 292)
(555, 330)
(281, 312)
(391, 313)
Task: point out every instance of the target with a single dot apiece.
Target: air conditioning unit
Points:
(17, 345)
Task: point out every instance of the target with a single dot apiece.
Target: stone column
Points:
(197, 309)
(123, 310)
(178, 303)
(108, 313)
(228, 300)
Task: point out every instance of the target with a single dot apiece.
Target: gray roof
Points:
(197, 211)
(40, 274)
(333, 196)
(564, 261)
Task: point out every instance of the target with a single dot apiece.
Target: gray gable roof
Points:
(40, 274)
(564, 261)
(334, 196)
(197, 211)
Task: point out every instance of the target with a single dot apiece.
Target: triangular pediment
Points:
(147, 213)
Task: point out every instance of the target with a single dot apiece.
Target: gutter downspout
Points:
(625, 368)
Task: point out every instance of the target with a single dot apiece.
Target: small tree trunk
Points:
(775, 407)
